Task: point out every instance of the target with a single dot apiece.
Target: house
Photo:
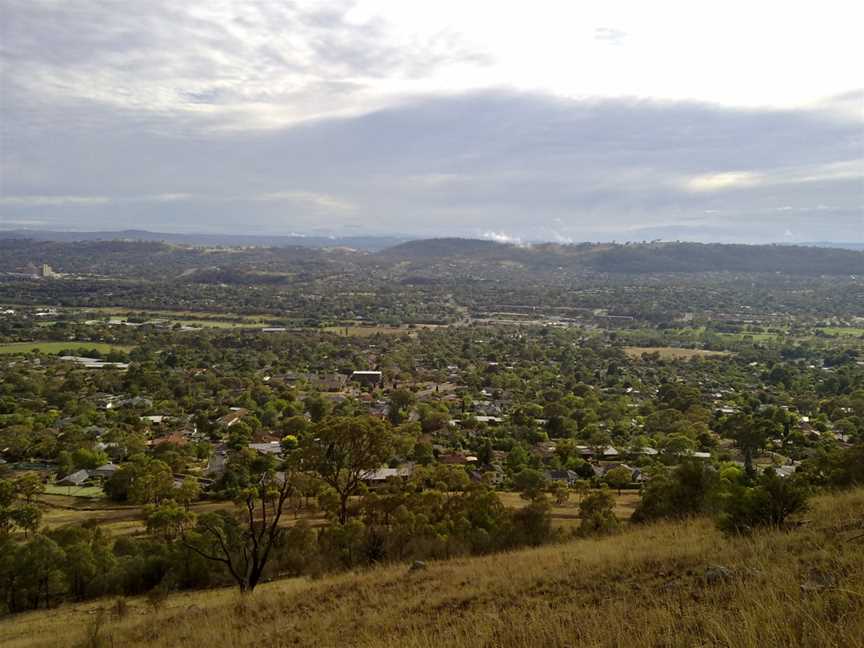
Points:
(329, 382)
(216, 463)
(456, 459)
(94, 363)
(175, 437)
(290, 377)
(76, 478)
(544, 449)
(785, 471)
(136, 401)
(605, 468)
(586, 451)
(368, 378)
(489, 420)
(269, 448)
(699, 455)
(157, 419)
(105, 471)
(380, 476)
(562, 476)
(232, 417)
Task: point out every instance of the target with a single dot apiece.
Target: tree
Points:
(343, 449)
(14, 513)
(29, 486)
(295, 426)
(87, 458)
(532, 524)
(243, 542)
(530, 483)
(689, 489)
(676, 445)
(749, 434)
(153, 483)
(317, 407)
(432, 418)
(597, 513)
(485, 454)
(400, 400)
(769, 503)
(40, 568)
(618, 478)
(117, 485)
(188, 492)
(168, 520)
(560, 493)
(580, 488)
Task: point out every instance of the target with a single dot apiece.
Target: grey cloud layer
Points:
(152, 118)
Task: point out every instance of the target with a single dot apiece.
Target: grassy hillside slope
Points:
(672, 584)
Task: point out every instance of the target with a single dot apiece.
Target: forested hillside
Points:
(220, 264)
(641, 258)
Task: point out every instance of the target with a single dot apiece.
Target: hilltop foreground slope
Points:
(671, 584)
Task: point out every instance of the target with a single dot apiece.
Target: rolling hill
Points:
(425, 258)
(671, 584)
(639, 258)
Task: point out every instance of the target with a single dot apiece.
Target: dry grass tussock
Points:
(664, 585)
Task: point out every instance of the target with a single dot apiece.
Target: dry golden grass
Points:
(673, 353)
(645, 587)
(125, 519)
(567, 515)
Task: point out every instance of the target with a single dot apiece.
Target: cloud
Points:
(610, 35)
(281, 117)
(501, 237)
(216, 64)
(52, 201)
(307, 198)
(725, 180)
(323, 201)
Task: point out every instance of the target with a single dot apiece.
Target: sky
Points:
(514, 121)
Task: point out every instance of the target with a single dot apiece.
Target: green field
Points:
(53, 348)
(75, 491)
(205, 323)
(850, 331)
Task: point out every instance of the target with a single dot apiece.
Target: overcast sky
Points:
(733, 120)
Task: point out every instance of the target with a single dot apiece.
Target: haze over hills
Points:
(279, 260)
(202, 238)
(369, 242)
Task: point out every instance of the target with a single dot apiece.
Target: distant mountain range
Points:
(368, 243)
(633, 258)
(227, 259)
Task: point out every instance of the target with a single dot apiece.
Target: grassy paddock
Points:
(60, 508)
(843, 331)
(89, 492)
(567, 515)
(649, 586)
(368, 331)
(53, 348)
